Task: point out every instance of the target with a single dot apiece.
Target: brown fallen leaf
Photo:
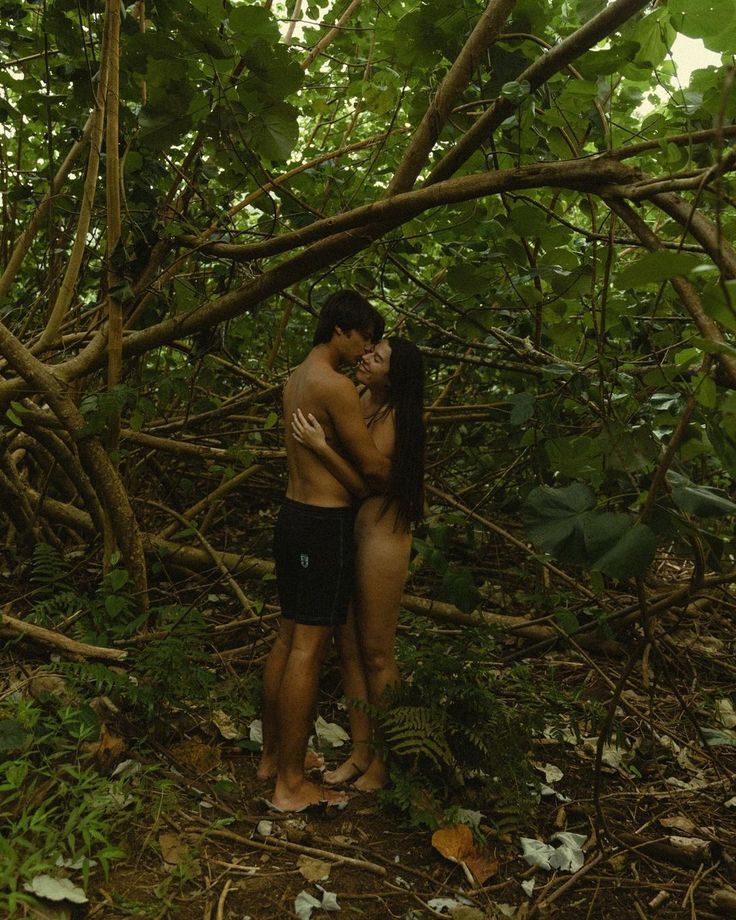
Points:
(45, 685)
(456, 843)
(453, 843)
(173, 849)
(482, 867)
(313, 870)
(679, 823)
(197, 756)
(107, 752)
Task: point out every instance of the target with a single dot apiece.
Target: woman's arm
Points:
(311, 434)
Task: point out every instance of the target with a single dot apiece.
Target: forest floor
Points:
(641, 827)
(209, 848)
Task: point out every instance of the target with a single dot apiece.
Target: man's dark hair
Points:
(348, 310)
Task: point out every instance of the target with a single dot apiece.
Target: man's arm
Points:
(311, 434)
(343, 407)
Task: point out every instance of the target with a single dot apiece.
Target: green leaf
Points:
(461, 589)
(714, 21)
(715, 348)
(117, 578)
(275, 131)
(657, 267)
(115, 604)
(577, 457)
(702, 501)
(516, 91)
(706, 392)
(248, 23)
(82, 724)
(522, 408)
(567, 621)
(552, 515)
(12, 735)
(631, 553)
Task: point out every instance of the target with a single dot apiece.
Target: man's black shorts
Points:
(315, 562)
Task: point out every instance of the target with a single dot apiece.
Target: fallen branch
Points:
(57, 640)
(274, 845)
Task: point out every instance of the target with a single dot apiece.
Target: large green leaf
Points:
(657, 267)
(275, 131)
(578, 457)
(562, 522)
(702, 501)
(713, 21)
(631, 553)
(248, 23)
(552, 515)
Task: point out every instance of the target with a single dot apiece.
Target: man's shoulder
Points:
(321, 377)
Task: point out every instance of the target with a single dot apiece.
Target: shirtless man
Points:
(313, 543)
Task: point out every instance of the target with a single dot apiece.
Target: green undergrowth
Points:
(58, 815)
(78, 739)
(460, 728)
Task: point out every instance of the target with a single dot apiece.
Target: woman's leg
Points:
(355, 687)
(382, 567)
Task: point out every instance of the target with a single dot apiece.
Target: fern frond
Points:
(58, 606)
(49, 568)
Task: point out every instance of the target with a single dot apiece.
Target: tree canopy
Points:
(530, 192)
(527, 190)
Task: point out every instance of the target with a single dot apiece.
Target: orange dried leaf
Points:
(453, 843)
(482, 867)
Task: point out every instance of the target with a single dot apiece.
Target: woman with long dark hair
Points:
(393, 379)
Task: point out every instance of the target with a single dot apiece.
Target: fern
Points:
(56, 607)
(418, 731)
(49, 568)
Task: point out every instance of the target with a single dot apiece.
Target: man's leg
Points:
(272, 676)
(297, 700)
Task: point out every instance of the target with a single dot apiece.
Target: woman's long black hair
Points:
(405, 398)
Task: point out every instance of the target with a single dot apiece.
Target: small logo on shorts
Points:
(304, 559)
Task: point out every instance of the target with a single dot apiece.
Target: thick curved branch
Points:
(582, 175)
(686, 291)
(705, 232)
(568, 50)
(24, 241)
(484, 34)
(69, 281)
(102, 474)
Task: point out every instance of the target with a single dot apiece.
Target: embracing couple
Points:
(342, 540)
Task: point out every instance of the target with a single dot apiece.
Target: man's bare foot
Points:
(267, 767)
(307, 795)
(347, 772)
(375, 777)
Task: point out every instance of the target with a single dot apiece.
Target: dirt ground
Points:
(217, 860)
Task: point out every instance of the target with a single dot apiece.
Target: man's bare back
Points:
(309, 388)
(317, 387)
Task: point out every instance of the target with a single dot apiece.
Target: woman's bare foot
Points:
(307, 795)
(267, 767)
(374, 778)
(349, 770)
